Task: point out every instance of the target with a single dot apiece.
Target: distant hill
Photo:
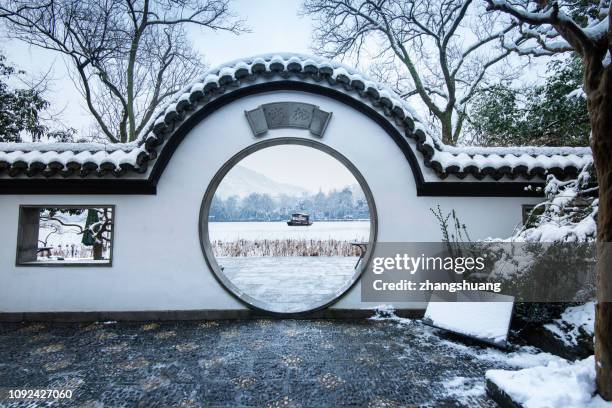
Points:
(241, 181)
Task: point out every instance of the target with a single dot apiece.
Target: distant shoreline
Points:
(314, 221)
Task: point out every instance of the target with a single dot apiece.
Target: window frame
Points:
(526, 212)
(20, 237)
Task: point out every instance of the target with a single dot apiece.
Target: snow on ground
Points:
(464, 389)
(387, 313)
(558, 384)
(522, 357)
(574, 322)
(543, 380)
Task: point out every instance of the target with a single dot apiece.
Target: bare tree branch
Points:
(420, 40)
(127, 56)
(550, 14)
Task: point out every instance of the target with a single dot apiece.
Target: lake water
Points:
(338, 230)
(289, 283)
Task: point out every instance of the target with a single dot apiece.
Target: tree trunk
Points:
(447, 130)
(97, 252)
(598, 84)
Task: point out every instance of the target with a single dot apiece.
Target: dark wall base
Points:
(161, 315)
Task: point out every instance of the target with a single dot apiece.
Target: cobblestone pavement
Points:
(262, 363)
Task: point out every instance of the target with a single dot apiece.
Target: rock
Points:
(499, 396)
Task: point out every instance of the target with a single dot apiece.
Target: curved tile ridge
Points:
(68, 159)
(497, 162)
(100, 159)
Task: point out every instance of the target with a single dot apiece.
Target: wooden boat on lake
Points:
(299, 220)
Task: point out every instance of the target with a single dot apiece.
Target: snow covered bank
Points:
(523, 357)
(557, 384)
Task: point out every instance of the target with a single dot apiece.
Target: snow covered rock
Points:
(558, 384)
(575, 322)
(574, 331)
(563, 331)
(486, 320)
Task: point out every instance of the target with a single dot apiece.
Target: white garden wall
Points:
(157, 261)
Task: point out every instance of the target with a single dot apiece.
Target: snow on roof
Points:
(72, 158)
(81, 159)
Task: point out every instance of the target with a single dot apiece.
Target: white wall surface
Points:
(157, 260)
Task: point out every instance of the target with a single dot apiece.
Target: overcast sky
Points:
(275, 26)
(301, 166)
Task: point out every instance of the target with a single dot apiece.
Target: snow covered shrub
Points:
(559, 235)
(548, 259)
(567, 215)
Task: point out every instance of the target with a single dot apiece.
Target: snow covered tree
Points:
(96, 231)
(258, 206)
(441, 51)
(568, 214)
(335, 205)
(127, 56)
(21, 109)
(92, 225)
(551, 114)
(552, 27)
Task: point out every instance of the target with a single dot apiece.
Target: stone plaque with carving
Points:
(288, 115)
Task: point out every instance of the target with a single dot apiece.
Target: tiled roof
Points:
(85, 159)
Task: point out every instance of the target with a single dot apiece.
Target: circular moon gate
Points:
(204, 230)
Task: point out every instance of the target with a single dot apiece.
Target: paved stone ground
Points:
(262, 363)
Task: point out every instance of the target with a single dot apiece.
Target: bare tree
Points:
(440, 51)
(552, 27)
(126, 56)
(53, 229)
(98, 231)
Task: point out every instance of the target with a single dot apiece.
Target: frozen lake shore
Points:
(289, 283)
(338, 230)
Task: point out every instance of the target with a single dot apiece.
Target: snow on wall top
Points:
(81, 159)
